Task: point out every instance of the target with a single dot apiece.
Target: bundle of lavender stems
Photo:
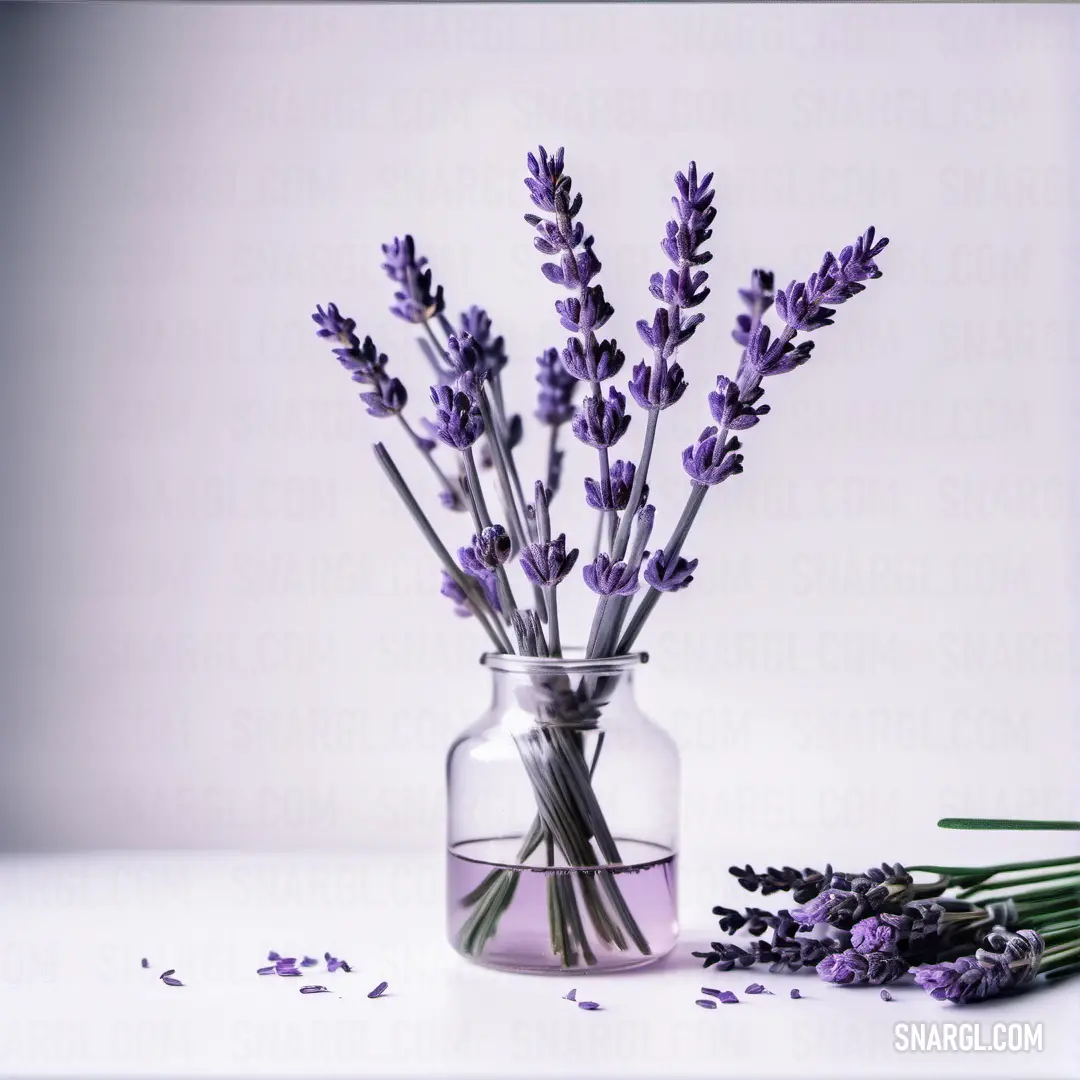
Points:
(471, 421)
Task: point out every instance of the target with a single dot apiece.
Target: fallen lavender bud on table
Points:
(379, 990)
(572, 996)
(885, 995)
(145, 962)
(795, 995)
(590, 1005)
(728, 997)
(706, 1003)
(314, 990)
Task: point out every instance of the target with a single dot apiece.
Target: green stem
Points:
(1001, 868)
(477, 600)
(1031, 879)
(1005, 823)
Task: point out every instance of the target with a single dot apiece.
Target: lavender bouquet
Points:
(994, 935)
(470, 443)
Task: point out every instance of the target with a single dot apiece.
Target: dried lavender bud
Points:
(851, 968)
(314, 990)
(415, 301)
(766, 357)
(548, 564)
(547, 179)
(760, 294)
(789, 954)
(709, 461)
(664, 336)
(145, 963)
(695, 214)
(458, 420)
(345, 967)
(755, 920)
(572, 996)
(725, 956)
(622, 482)
(880, 889)
(583, 316)
(171, 971)
(604, 361)
(289, 971)
(800, 307)
(658, 386)
(573, 271)
(601, 422)
(679, 287)
(477, 324)
(492, 547)
(730, 410)
(706, 1003)
(756, 988)
(333, 325)
(610, 579)
(795, 995)
(170, 981)
(1011, 960)
(590, 1005)
(271, 970)
(453, 591)
(880, 933)
(308, 961)
(555, 401)
(804, 886)
(378, 991)
(388, 399)
(667, 576)
(885, 995)
(465, 355)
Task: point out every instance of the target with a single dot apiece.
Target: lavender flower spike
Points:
(988, 972)
(548, 564)
(610, 579)
(415, 301)
(667, 576)
(602, 422)
(458, 420)
(709, 461)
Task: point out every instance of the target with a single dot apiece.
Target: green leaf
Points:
(1004, 823)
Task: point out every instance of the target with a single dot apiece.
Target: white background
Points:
(224, 630)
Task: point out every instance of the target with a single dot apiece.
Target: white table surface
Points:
(74, 1000)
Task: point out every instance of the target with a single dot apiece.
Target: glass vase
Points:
(563, 805)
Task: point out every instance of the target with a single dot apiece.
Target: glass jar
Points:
(563, 805)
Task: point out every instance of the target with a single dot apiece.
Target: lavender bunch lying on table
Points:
(511, 564)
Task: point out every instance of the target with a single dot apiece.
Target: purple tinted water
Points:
(522, 942)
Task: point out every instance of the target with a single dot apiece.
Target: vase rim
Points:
(574, 660)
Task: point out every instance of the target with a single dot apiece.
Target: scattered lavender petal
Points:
(728, 997)
(326, 956)
(590, 1005)
(171, 982)
(345, 966)
(286, 961)
(289, 971)
(145, 962)
(572, 996)
(795, 994)
(333, 964)
(706, 1003)
(171, 971)
(378, 991)
(266, 970)
(271, 955)
(885, 995)
(308, 961)
(713, 993)
(756, 988)
(314, 990)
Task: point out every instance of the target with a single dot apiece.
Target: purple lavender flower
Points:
(1011, 960)
(458, 420)
(622, 482)
(610, 579)
(732, 410)
(332, 324)
(547, 179)
(415, 301)
(665, 336)
(554, 404)
(657, 386)
(589, 313)
(667, 576)
(709, 461)
(453, 591)
(602, 422)
(879, 933)
(388, 399)
(851, 968)
(884, 888)
(477, 324)
(466, 355)
(776, 358)
(604, 362)
(492, 546)
(801, 305)
(548, 564)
